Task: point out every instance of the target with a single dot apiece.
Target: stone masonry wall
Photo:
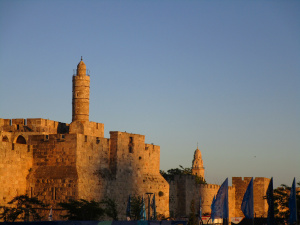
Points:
(184, 189)
(87, 128)
(53, 177)
(135, 168)
(15, 163)
(92, 163)
(37, 125)
(260, 186)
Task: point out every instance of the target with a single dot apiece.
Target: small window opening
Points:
(130, 149)
(5, 139)
(54, 193)
(85, 138)
(130, 145)
(21, 140)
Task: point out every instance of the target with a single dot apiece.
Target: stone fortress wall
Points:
(56, 167)
(15, 163)
(260, 186)
(57, 161)
(184, 189)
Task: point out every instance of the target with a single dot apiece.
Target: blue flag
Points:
(270, 201)
(219, 206)
(128, 209)
(50, 217)
(293, 204)
(143, 210)
(247, 203)
(200, 208)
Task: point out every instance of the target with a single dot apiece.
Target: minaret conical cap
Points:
(197, 153)
(81, 68)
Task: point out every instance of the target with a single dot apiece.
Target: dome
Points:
(81, 68)
(197, 154)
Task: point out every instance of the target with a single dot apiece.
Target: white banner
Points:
(236, 219)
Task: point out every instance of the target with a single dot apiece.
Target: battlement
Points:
(213, 186)
(191, 179)
(33, 125)
(257, 180)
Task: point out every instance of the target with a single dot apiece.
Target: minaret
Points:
(81, 94)
(198, 168)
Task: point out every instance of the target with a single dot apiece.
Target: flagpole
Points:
(296, 201)
(293, 204)
(252, 205)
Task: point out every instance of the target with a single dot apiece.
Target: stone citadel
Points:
(56, 161)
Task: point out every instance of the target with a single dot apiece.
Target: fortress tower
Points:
(198, 168)
(81, 94)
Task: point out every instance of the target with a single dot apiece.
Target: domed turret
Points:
(198, 168)
(197, 154)
(81, 68)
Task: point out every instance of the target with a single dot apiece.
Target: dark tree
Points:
(136, 206)
(169, 175)
(24, 209)
(192, 217)
(281, 201)
(82, 210)
(110, 208)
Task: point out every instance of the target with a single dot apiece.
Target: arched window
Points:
(21, 140)
(5, 139)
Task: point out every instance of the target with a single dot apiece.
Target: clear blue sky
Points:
(223, 74)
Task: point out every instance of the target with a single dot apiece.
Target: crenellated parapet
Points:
(184, 189)
(33, 125)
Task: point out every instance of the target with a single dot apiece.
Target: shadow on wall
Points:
(62, 128)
